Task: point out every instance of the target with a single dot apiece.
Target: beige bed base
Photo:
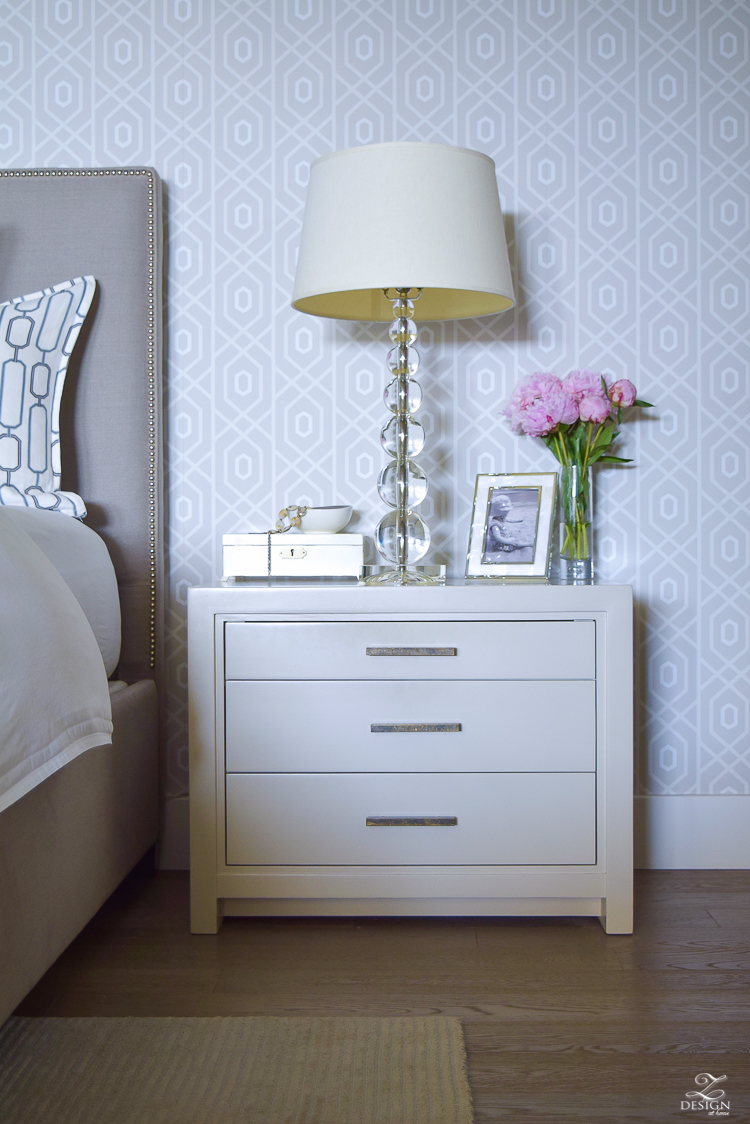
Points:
(69, 842)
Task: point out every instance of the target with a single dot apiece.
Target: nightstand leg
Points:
(206, 914)
(617, 915)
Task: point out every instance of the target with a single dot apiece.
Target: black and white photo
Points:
(512, 516)
(511, 526)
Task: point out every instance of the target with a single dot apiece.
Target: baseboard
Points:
(692, 832)
(671, 833)
(173, 851)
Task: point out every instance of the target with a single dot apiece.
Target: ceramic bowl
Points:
(326, 520)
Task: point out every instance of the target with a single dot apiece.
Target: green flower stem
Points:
(585, 463)
(576, 542)
(561, 451)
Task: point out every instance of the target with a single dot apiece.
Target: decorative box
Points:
(292, 554)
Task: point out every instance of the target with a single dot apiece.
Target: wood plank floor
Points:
(562, 1022)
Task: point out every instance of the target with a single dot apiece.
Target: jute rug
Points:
(233, 1071)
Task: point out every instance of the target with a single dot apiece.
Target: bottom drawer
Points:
(516, 819)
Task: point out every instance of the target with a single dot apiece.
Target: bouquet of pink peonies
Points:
(577, 418)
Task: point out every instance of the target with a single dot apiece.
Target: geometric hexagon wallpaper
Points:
(620, 133)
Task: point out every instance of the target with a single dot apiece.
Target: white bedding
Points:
(54, 697)
(81, 557)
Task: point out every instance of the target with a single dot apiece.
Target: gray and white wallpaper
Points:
(620, 133)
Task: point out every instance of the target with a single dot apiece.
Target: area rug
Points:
(233, 1071)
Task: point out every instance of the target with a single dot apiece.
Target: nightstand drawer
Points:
(413, 726)
(513, 819)
(410, 650)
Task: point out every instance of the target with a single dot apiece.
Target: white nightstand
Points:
(457, 750)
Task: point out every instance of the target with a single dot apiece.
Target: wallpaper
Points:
(620, 133)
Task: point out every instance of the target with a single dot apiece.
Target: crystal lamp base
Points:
(406, 576)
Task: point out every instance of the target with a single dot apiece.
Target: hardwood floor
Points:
(562, 1022)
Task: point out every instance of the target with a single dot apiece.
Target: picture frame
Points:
(511, 526)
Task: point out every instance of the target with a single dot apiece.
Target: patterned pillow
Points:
(37, 334)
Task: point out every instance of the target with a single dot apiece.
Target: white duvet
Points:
(54, 698)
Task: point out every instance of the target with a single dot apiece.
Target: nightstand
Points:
(457, 750)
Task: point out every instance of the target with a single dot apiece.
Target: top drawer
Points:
(410, 650)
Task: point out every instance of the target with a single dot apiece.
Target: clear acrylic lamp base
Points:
(402, 537)
(407, 576)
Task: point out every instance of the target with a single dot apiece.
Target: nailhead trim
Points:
(152, 459)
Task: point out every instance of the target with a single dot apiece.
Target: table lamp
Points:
(399, 232)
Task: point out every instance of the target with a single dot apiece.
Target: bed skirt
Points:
(67, 844)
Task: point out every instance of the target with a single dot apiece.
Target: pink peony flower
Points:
(623, 393)
(516, 420)
(530, 390)
(594, 408)
(538, 404)
(583, 384)
(568, 409)
(538, 421)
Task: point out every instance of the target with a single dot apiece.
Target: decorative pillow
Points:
(37, 334)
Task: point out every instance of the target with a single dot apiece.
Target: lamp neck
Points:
(401, 308)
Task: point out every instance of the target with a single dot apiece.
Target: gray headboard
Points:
(56, 224)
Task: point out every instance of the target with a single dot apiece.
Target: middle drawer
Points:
(493, 726)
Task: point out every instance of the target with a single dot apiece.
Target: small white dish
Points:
(325, 520)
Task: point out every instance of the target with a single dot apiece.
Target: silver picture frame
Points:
(511, 526)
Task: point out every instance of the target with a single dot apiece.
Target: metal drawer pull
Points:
(415, 727)
(411, 821)
(411, 651)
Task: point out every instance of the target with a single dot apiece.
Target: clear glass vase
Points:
(575, 513)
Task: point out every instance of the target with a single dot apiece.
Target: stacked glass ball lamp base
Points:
(402, 537)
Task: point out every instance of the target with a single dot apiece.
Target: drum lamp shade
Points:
(407, 215)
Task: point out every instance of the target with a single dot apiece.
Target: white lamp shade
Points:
(406, 215)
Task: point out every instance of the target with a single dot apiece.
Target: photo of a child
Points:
(512, 519)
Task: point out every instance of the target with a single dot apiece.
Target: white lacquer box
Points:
(292, 554)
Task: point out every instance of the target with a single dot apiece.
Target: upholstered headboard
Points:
(56, 224)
